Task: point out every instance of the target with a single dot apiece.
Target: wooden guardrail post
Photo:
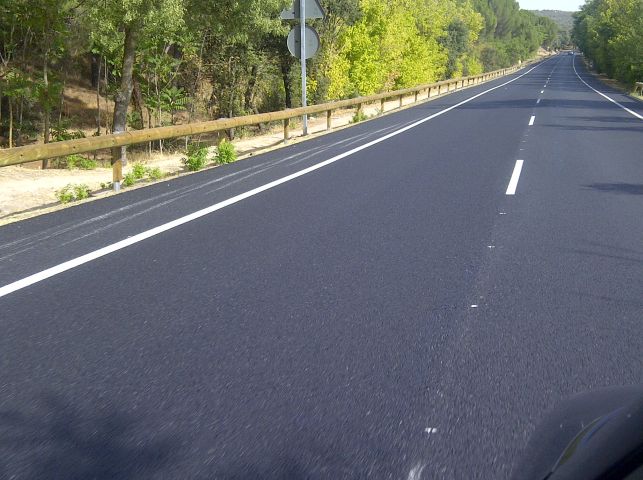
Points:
(118, 159)
(417, 92)
(286, 130)
(401, 99)
(329, 119)
(382, 105)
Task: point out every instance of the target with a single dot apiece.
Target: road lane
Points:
(318, 329)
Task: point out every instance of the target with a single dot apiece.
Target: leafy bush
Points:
(78, 161)
(226, 152)
(72, 192)
(129, 179)
(359, 117)
(197, 157)
(74, 161)
(154, 173)
(139, 170)
(60, 133)
(134, 120)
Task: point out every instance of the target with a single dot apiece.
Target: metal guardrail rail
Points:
(31, 153)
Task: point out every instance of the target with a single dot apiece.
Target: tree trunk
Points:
(96, 68)
(106, 90)
(123, 97)
(250, 90)
(100, 65)
(10, 124)
(137, 100)
(285, 73)
(47, 109)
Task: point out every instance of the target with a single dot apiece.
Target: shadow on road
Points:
(619, 187)
(58, 441)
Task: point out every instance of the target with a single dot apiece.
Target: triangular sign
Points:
(313, 10)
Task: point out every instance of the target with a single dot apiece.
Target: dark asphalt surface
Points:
(318, 329)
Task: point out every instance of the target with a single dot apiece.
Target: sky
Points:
(568, 5)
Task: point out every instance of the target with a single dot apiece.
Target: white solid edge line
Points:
(101, 252)
(602, 94)
(531, 120)
(515, 176)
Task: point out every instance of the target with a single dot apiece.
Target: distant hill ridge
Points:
(562, 18)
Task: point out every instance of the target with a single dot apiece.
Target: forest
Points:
(610, 34)
(160, 62)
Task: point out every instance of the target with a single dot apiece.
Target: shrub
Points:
(75, 161)
(83, 163)
(81, 191)
(129, 179)
(226, 152)
(139, 170)
(60, 133)
(197, 157)
(359, 117)
(72, 192)
(154, 173)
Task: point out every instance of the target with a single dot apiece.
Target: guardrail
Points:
(638, 86)
(31, 153)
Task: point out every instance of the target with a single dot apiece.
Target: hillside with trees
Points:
(564, 19)
(565, 22)
(146, 63)
(610, 34)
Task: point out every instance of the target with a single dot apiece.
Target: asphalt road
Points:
(392, 314)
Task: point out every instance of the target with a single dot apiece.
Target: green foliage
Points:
(134, 120)
(359, 116)
(196, 157)
(139, 171)
(74, 161)
(129, 179)
(610, 34)
(72, 192)
(225, 153)
(79, 161)
(221, 58)
(154, 173)
(60, 133)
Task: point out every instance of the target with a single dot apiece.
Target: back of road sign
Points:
(313, 10)
(312, 42)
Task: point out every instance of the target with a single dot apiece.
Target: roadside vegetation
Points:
(610, 34)
(160, 62)
(73, 192)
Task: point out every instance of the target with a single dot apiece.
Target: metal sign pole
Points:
(302, 25)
